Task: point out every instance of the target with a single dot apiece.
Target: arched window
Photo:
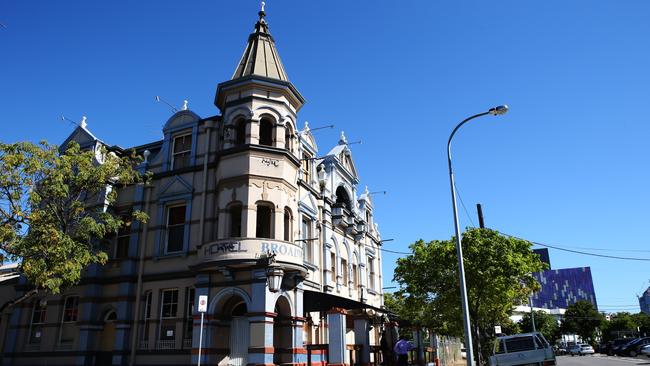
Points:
(342, 198)
(288, 137)
(264, 224)
(240, 132)
(266, 132)
(234, 213)
(288, 224)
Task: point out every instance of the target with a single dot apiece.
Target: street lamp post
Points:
(459, 250)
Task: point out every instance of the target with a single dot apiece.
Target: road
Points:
(599, 360)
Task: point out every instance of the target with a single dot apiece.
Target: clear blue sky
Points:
(567, 166)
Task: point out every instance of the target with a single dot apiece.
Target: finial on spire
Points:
(185, 105)
(343, 140)
(366, 192)
(262, 13)
(83, 123)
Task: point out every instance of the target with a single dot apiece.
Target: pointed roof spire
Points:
(260, 56)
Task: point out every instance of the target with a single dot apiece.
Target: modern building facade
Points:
(644, 301)
(244, 208)
(563, 287)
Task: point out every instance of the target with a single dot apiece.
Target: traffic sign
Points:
(203, 303)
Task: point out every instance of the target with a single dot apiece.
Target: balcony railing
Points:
(144, 344)
(168, 344)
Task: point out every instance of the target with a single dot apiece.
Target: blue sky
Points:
(566, 166)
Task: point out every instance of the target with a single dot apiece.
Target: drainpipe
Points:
(206, 158)
(143, 245)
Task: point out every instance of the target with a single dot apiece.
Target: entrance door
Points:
(239, 340)
(107, 341)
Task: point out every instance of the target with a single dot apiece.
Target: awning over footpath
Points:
(321, 301)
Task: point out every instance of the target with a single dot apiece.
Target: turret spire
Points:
(260, 56)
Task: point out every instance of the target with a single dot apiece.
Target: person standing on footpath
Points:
(402, 348)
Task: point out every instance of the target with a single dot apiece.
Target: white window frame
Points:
(167, 226)
(182, 152)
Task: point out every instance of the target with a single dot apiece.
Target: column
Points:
(249, 219)
(362, 337)
(419, 346)
(253, 132)
(298, 322)
(336, 331)
(261, 318)
(278, 223)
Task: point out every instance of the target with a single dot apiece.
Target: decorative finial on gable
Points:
(306, 126)
(263, 4)
(185, 105)
(83, 123)
(343, 140)
(366, 192)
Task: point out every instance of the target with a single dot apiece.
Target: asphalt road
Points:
(599, 360)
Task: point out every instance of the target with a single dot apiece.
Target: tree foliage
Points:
(498, 275)
(583, 319)
(544, 323)
(55, 208)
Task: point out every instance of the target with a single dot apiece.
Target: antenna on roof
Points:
(377, 192)
(355, 143)
(321, 128)
(159, 99)
(78, 124)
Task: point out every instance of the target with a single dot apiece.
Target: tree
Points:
(498, 275)
(619, 324)
(55, 208)
(544, 323)
(582, 319)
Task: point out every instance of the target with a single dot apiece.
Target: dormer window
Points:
(306, 167)
(181, 152)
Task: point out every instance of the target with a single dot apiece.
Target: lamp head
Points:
(498, 110)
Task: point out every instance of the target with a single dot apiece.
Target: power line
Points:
(581, 252)
(460, 198)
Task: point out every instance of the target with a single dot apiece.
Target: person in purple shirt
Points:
(402, 348)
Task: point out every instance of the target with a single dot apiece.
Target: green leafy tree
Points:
(544, 323)
(498, 275)
(55, 208)
(619, 324)
(642, 321)
(582, 319)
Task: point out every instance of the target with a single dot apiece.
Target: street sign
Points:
(497, 329)
(203, 303)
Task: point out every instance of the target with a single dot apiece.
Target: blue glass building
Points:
(563, 287)
(644, 301)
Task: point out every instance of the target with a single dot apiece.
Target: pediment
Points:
(81, 136)
(177, 186)
(308, 204)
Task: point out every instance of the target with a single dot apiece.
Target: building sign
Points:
(252, 249)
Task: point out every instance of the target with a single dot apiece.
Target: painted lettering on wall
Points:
(282, 249)
(224, 247)
(269, 162)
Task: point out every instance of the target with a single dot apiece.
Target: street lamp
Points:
(496, 111)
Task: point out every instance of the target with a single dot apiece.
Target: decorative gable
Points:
(177, 186)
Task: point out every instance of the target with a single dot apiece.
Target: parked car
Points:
(645, 350)
(518, 349)
(632, 348)
(616, 349)
(616, 344)
(463, 353)
(581, 350)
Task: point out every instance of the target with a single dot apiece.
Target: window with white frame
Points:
(175, 228)
(288, 224)
(344, 271)
(355, 276)
(307, 161)
(71, 309)
(306, 233)
(333, 266)
(148, 299)
(189, 310)
(38, 319)
(181, 151)
(123, 239)
(168, 313)
(371, 273)
(234, 211)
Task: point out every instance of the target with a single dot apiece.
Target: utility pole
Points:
(481, 223)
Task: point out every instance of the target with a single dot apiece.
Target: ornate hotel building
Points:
(244, 208)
